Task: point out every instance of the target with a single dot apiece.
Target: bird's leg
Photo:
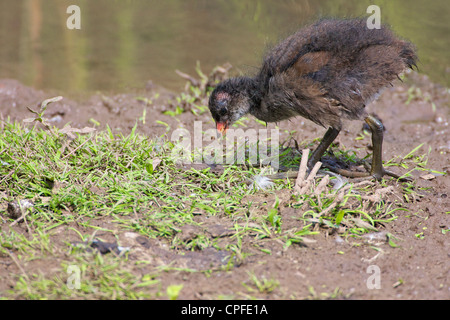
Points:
(377, 171)
(327, 139)
(376, 127)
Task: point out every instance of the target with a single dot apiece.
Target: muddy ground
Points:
(418, 269)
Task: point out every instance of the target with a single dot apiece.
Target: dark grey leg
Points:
(376, 171)
(376, 127)
(327, 139)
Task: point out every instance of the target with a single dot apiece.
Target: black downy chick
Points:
(325, 72)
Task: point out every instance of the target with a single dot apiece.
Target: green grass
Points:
(101, 185)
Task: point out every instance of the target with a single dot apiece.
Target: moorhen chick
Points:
(326, 72)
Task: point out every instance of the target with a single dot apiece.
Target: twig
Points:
(22, 217)
(7, 176)
(302, 171)
(17, 263)
(311, 177)
(337, 200)
(191, 79)
(77, 147)
(322, 185)
(376, 196)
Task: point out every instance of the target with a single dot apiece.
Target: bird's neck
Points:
(258, 109)
(253, 92)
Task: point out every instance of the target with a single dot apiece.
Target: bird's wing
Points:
(311, 62)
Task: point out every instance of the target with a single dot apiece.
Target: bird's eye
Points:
(223, 111)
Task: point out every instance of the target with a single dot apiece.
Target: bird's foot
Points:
(378, 175)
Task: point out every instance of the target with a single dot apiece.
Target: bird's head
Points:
(230, 101)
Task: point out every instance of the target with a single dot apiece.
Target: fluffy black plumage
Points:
(325, 72)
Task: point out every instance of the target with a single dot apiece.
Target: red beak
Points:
(222, 127)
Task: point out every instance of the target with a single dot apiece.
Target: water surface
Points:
(123, 44)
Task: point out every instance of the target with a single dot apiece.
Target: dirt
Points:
(418, 269)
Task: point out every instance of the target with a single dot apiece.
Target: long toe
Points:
(396, 176)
